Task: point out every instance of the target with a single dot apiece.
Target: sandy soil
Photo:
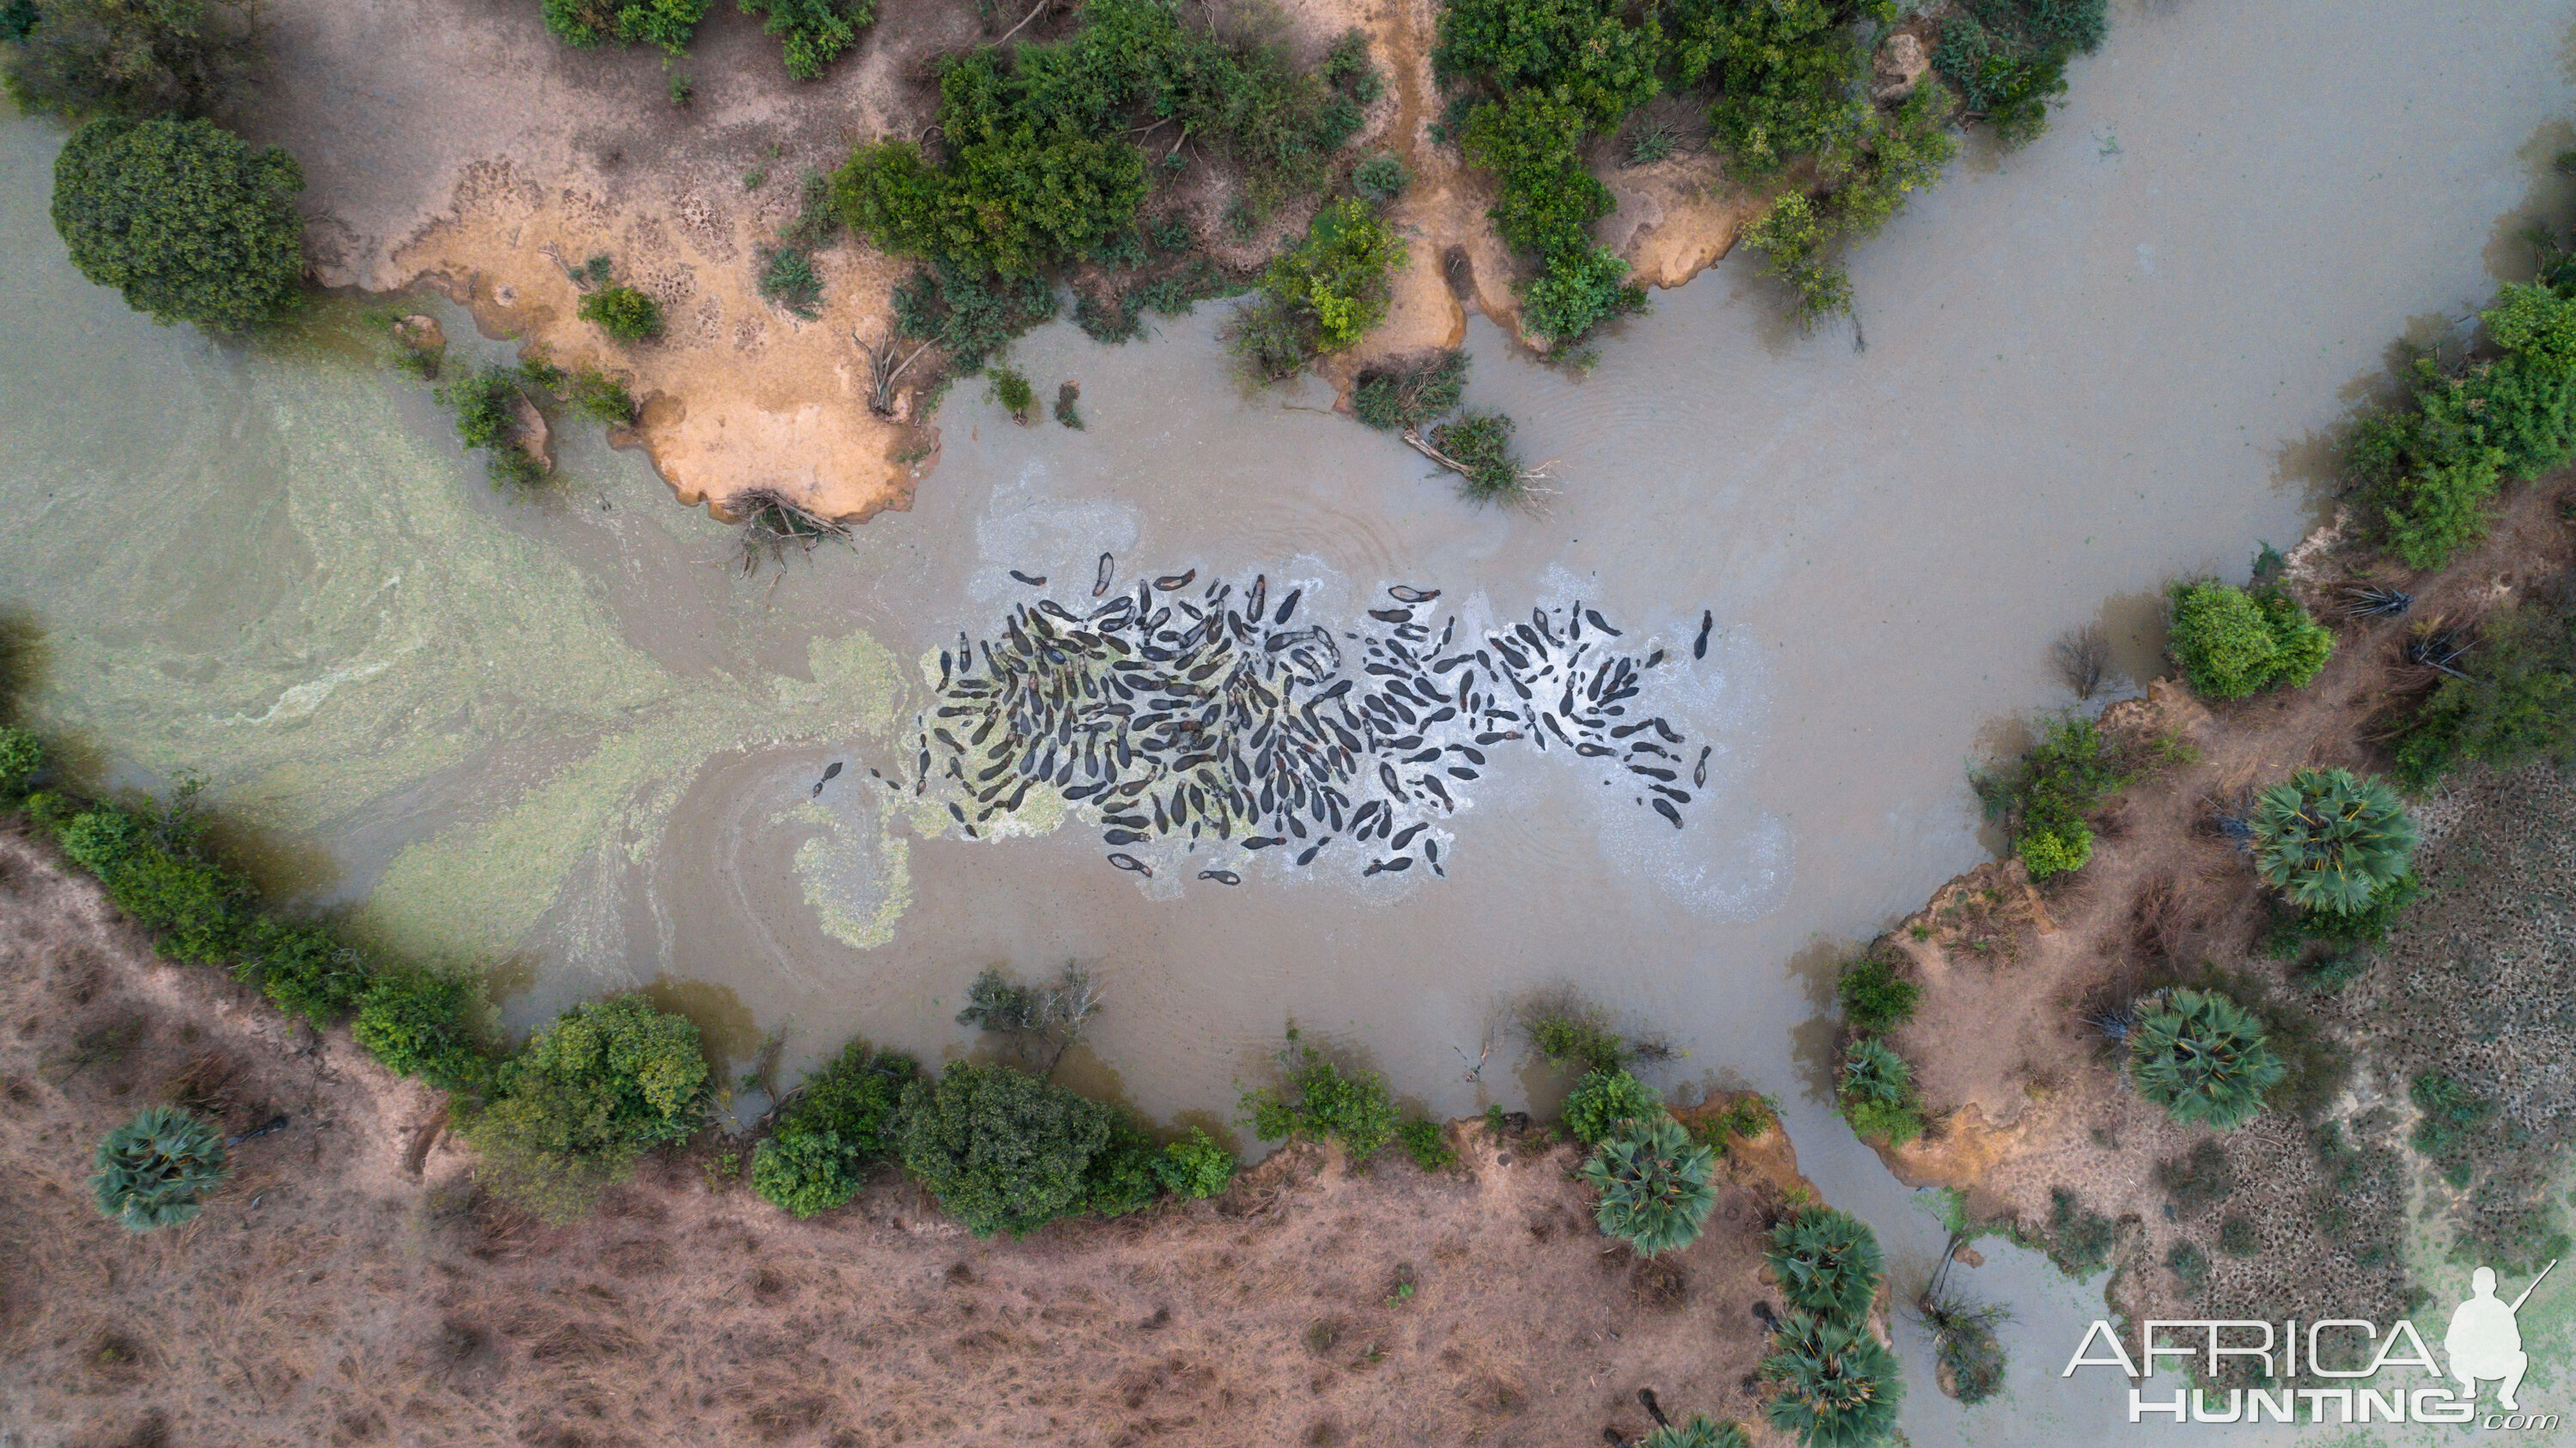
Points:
(349, 1285)
(2029, 1100)
(454, 142)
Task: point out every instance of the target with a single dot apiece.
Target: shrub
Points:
(1347, 67)
(1581, 51)
(2202, 1057)
(22, 756)
(2008, 57)
(1837, 1388)
(1427, 1144)
(1068, 409)
(1126, 1174)
(1481, 442)
(2330, 842)
(1792, 238)
(421, 1023)
(666, 23)
(1604, 1099)
(2189, 1265)
(1195, 1166)
(2045, 798)
(1013, 391)
(82, 58)
(1335, 283)
(2231, 642)
(155, 1170)
(584, 1098)
(184, 218)
(813, 32)
(2521, 704)
(197, 911)
(2199, 1179)
(1789, 77)
(1971, 1360)
(486, 405)
(971, 316)
(1003, 1151)
(1828, 1262)
(1877, 1094)
(1701, 1431)
(787, 277)
(1380, 178)
(1578, 287)
(2080, 1240)
(303, 970)
(600, 397)
(623, 313)
(1410, 393)
(1318, 1100)
(2452, 1113)
(841, 1119)
(1653, 1181)
(2055, 852)
(1875, 996)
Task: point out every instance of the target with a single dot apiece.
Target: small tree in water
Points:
(2330, 841)
(156, 1169)
(2202, 1057)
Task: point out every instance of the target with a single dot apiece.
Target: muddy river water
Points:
(567, 736)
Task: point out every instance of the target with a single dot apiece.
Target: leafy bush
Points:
(2080, 1239)
(787, 277)
(2232, 642)
(1828, 1262)
(970, 316)
(22, 756)
(486, 405)
(2521, 704)
(1604, 1099)
(1013, 391)
(584, 1098)
(2330, 842)
(1410, 393)
(1481, 442)
(2202, 1057)
(1195, 1166)
(1790, 77)
(2189, 1265)
(1003, 1151)
(155, 1170)
(1582, 52)
(1380, 178)
(1427, 1144)
(1877, 1093)
(1875, 995)
(666, 23)
(2044, 797)
(82, 58)
(419, 1022)
(814, 32)
(1837, 1388)
(197, 911)
(1335, 283)
(1792, 237)
(2008, 57)
(184, 218)
(1579, 286)
(624, 313)
(1318, 1100)
(1653, 1181)
(303, 970)
(600, 397)
(841, 1119)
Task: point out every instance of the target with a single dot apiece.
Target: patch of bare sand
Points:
(455, 142)
(2026, 1098)
(350, 1286)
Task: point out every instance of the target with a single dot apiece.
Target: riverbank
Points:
(465, 148)
(2329, 1202)
(351, 1285)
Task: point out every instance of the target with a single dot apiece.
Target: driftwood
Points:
(883, 370)
(1024, 20)
(1414, 439)
(771, 521)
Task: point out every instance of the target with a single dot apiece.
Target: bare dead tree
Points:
(772, 522)
(883, 370)
(2083, 657)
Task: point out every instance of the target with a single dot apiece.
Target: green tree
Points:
(2520, 704)
(1003, 1151)
(155, 1170)
(2202, 1057)
(1195, 1166)
(2332, 842)
(1828, 1263)
(1876, 1093)
(834, 1125)
(1320, 1101)
(1837, 1387)
(303, 970)
(139, 58)
(1790, 77)
(1602, 1100)
(2232, 642)
(1584, 52)
(623, 313)
(586, 1097)
(22, 757)
(814, 32)
(186, 220)
(1875, 995)
(421, 1023)
(1335, 283)
(1653, 1181)
(667, 23)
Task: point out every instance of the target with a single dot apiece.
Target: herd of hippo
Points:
(1223, 715)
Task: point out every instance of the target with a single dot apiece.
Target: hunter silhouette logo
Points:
(2360, 1371)
(2485, 1342)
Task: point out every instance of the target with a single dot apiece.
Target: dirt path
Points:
(350, 1286)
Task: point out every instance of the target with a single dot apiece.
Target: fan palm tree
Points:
(2202, 1057)
(154, 1170)
(1838, 1387)
(2330, 841)
(1653, 1181)
(1827, 1262)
